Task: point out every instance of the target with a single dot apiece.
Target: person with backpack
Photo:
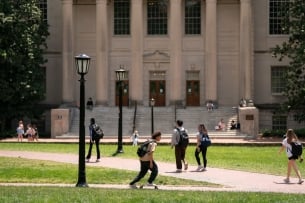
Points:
(180, 141)
(203, 141)
(287, 145)
(94, 138)
(147, 162)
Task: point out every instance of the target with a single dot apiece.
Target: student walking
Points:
(180, 148)
(286, 144)
(147, 162)
(94, 138)
(202, 136)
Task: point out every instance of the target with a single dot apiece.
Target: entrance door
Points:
(192, 93)
(157, 91)
(125, 93)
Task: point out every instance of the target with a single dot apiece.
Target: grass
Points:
(257, 159)
(19, 170)
(254, 159)
(89, 195)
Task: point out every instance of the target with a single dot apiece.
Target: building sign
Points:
(249, 117)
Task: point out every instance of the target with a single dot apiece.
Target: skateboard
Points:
(149, 187)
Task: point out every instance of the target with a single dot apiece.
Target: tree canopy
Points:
(294, 50)
(23, 34)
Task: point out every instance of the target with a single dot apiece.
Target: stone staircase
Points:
(164, 120)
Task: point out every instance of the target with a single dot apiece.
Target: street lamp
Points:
(82, 63)
(120, 75)
(152, 104)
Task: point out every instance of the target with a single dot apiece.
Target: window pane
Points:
(157, 17)
(279, 122)
(42, 4)
(121, 17)
(276, 10)
(192, 19)
(278, 82)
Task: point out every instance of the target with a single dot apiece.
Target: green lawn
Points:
(257, 159)
(254, 158)
(95, 195)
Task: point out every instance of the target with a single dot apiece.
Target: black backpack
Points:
(143, 148)
(97, 131)
(297, 148)
(184, 138)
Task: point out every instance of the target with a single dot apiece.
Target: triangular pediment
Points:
(156, 56)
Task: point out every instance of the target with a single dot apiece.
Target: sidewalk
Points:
(231, 180)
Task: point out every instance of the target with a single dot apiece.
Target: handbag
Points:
(205, 141)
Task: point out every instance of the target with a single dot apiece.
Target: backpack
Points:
(97, 132)
(205, 141)
(296, 148)
(143, 148)
(184, 138)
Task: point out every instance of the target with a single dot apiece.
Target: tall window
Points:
(279, 122)
(122, 17)
(278, 82)
(157, 17)
(276, 12)
(192, 19)
(42, 4)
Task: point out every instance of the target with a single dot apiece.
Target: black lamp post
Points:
(120, 75)
(82, 63)
(152, 104)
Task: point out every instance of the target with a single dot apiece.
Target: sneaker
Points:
(151, 184)
(186, 165)
(286, 180)
(133, 186)
(199, 168)
(98, 160)
(204, 169)
(87, 160)
(300, 181)
(179, 170)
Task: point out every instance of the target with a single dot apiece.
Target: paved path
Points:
(231, 180)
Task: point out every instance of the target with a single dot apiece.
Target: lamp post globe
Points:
(120, 76)
(82, 63)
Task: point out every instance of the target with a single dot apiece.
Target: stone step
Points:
(234, 134)
(164, 119)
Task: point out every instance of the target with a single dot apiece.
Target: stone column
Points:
(102, 49)
(211, 50)
(175, 33)
(246, 50)
(136, 69)
(68, 74)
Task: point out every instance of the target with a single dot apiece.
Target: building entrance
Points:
(192, 88)
(157, 91)
(125, 98)
(192, 93)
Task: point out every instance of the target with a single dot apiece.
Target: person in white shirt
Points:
(290, 137)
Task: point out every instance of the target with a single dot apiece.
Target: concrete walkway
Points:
(231, 180)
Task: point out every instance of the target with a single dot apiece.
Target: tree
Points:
(23, 35)
(294, 50)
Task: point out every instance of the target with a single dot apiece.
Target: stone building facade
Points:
(184, 52)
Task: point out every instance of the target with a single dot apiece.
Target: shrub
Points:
(279, 133)
(273, 133)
